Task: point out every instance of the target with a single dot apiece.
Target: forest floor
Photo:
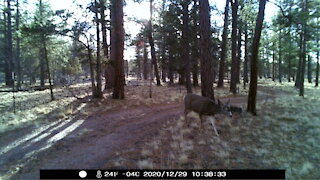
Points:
(140, 132)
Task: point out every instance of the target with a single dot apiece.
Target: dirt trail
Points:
(87, 144)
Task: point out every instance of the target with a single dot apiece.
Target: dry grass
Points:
(284, 135)
(35, 107)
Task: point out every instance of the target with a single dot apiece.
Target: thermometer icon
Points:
(99, 174)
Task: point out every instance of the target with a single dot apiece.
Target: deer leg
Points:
(200, 120)
(185, 116)
(212, 119)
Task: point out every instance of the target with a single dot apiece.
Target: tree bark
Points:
(44, 41)
(239, 53)
(280, 57)
(273, 63)
(195, 44)
(309, 69)
(233, 83)
(317, 71)
(254, 61)
(171, 75)
(206, 61)
(99, 80)
(304, 49)
(5, 39)
(145, 61)
(18, 60)
(117, 47)
(110, 74)
(9, 44)
(289, 59)
(297, 82)
(224, 45)
(138, 56)
(318, 56)
(42, 60)
(246, 49)
(186, 46)
(153, 51)
(104, 40)
(93, 84)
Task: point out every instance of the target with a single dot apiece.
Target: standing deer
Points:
(204, 106)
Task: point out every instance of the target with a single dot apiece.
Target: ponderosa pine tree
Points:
(117, 47)
(206, 58)
(98, 61)
(251, 107)
(9, 45)
(234, 65)
(186, 44)
(224, 45)
(153, 50)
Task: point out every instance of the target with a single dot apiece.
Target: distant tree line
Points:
(182, 41)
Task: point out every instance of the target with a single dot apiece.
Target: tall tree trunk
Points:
(317, 71)
(206, 62)
(309, 69)
(93, 82)
(318, 56)
(163, 61)
(182, 78)
(224, 45)
(138, 52)
(44, 41)
(280, 57)
(186, 46)
(18, 60)
(171, 75)
(251, 107)
(239, 52)
(104, 39)
(99, 81)
(110, 70)
(5, 39)
(145, 61)
(233, 83)
(195, 72)
(289, 58)
(164, 68)
(298, 74)
(246, 58)
(273, 62)
(153, 51)
(9, 51)
(304, 49)
(42, 60)
(195, 46)
(117, 47)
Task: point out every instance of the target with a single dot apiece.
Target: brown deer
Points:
(204, 106)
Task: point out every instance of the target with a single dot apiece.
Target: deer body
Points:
(201, 105)
(204, 107)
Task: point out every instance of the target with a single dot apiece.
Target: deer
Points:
(205, 106)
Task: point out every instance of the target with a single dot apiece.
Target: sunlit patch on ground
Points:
(18, 153)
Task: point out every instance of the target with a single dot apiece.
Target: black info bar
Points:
(161, 174)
